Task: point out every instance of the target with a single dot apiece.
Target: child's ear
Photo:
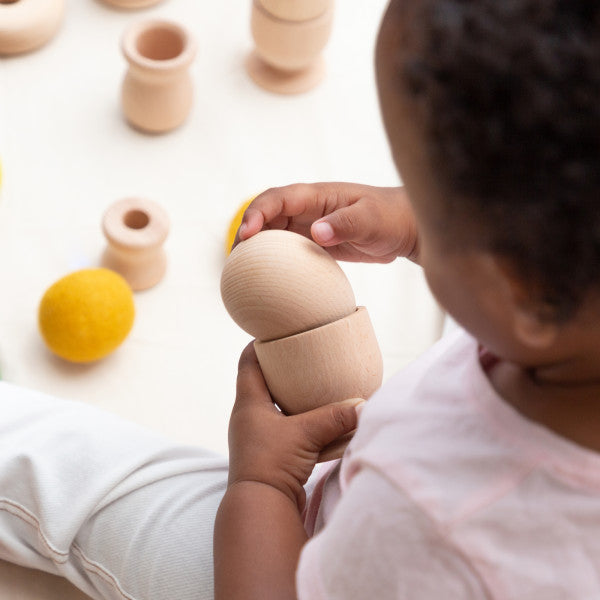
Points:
(532, 328)
(534, 325)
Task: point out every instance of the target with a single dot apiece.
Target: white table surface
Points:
(67, 155)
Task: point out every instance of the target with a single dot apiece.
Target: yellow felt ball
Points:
(235, 224)
(86, 315)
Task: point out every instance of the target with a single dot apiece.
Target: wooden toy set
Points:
(314, 345)
(289, 37)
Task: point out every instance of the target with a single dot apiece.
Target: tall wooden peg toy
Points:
(289, 36)
(28, 24)
(313, 344)
(136, 229)
(157, 93)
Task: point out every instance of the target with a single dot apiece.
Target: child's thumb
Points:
(325, 424)
(348, 224)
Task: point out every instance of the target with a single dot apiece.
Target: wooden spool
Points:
(136, 229)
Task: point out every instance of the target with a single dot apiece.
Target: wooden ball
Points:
(279, 283)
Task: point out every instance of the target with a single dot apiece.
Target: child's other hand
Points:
(269, 447)
(353, 222)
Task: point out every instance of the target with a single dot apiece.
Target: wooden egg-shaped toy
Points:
(278, 283)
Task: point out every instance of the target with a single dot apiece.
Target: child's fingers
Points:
(251, 386)
(275, 203)
(357, 223)
(327, 423)
(252, 222)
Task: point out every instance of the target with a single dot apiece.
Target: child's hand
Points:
(353, 222)
(269, 447)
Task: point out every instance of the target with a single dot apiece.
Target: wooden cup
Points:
(157, 91)
(331, 363)
(287, 57)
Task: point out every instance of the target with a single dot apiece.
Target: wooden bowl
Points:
(331, 363)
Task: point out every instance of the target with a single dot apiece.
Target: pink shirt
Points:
(447, 492)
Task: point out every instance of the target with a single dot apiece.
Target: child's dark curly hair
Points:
(510, 95)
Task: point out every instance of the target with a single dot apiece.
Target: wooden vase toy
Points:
(28, 24)
(313, 344)
(289, 36)
(136, 229)
(157, 92)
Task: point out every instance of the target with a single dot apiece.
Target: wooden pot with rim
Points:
(157, 91)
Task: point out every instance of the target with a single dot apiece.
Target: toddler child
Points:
(475, 472)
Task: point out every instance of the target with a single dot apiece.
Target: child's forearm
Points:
(257, 542)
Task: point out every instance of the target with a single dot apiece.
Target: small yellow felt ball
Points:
(86, 315)
(235, 224)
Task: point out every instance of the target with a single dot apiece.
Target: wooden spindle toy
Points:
(313, 344)
(289, 37)
(28, 24)
(157, 92)
(136, 229)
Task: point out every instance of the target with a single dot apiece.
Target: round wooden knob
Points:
(279, 283)
(28, 24)
(136, 229)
